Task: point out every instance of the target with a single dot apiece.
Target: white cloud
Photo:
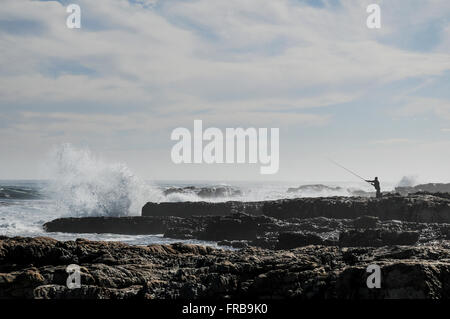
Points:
(413, 106)
(148, 67)
(141, 56)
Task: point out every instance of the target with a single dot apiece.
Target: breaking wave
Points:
(84, 185)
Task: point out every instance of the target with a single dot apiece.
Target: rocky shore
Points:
(297, 248)
(285, 224)
(35, 268)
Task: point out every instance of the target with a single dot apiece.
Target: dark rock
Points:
(366, 222)
(263, 231)
(428, 188)
(224, 228)
(289, 240)
(234, 243)
(179, 233)
(114, 225)
(189, 271)
(267, 242)
(187, 209)
(377, 238)
(412, 208)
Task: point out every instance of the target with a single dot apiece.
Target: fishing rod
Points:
(353, 173)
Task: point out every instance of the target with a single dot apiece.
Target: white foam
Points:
(408, 181)
(84, 185)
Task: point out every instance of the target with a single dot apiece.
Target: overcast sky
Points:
(376, 100)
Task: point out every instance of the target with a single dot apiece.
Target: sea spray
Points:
(84, 185)
(408, 181)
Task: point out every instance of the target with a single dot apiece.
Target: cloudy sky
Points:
(376, 100)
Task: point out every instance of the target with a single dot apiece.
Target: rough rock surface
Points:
(35, 268)
(241, 230)
(427, 208)
(186, 209)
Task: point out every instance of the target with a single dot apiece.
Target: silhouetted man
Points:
(376, 183)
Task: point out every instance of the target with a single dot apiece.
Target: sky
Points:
(374, 100)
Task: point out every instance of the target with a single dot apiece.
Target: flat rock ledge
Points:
(35, 268)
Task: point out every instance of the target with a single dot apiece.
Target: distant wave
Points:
(16, 192)
(205, 192)
(320, 190)
(257, 192)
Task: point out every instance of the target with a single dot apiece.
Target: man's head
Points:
(376, 178)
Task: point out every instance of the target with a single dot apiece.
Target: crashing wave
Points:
(84, 185)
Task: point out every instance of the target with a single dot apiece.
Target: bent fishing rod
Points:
(353, 173)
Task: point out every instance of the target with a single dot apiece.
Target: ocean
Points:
(26, 205)
(81, 185)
